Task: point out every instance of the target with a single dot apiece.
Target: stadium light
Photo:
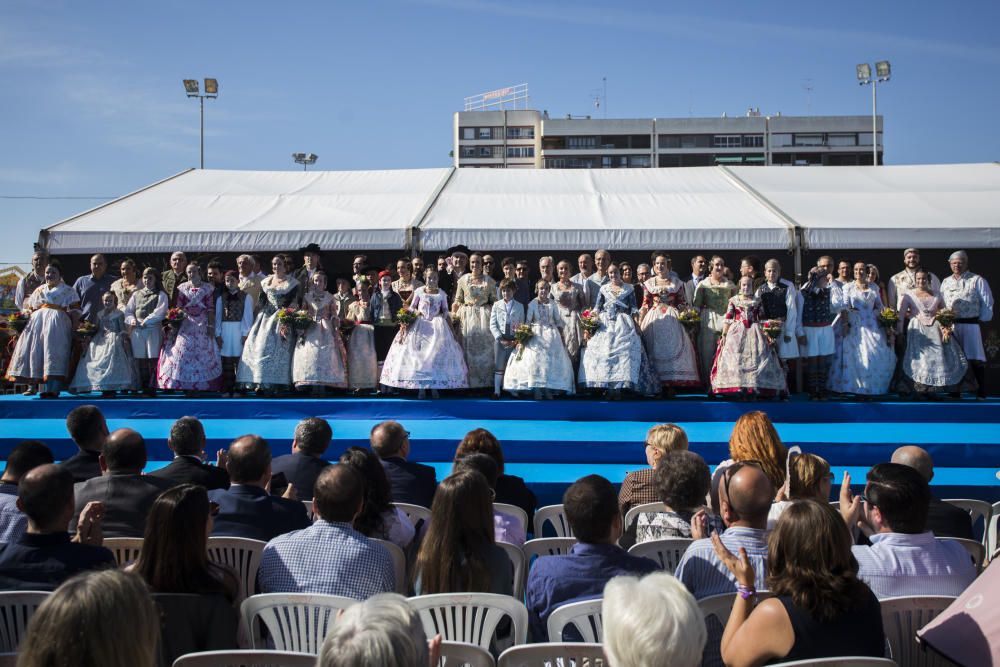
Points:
(211, 92)
(305, 159)
(883, 71)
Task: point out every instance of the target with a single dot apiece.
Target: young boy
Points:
(505, 317)
(234, 313)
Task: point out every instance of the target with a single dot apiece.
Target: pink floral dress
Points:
(190, 357)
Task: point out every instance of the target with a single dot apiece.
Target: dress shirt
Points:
(42, 561)
(13, 522)
(83, 465)
(328, 558)
(91, 292)
(701, 571)
(589, 288)
(578, 575)
(899, 564)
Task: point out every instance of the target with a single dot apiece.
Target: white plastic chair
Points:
(16, 609)
(242, 556)
(456, 654)
(517, 559)
(720, 606)
(666, 552)
(585, 616)
(990, 538)
(555, 515)
(634, 512)
(553, 653)
(415, 513)
(514, 511)
(902, 617)
(125, 549)
(976, 550)
(977, 509)
(470, 617)
(296, 621)
(310, 510)
(853, 661)
(246, 659)
(546, 546)
(398, 564)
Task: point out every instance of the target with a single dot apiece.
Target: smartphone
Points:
(279, 484)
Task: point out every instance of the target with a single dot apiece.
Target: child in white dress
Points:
(542, 364)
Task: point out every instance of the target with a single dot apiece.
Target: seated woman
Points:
(809, 478)
(379, 518)
(506, 526)
(639, 487)
(820, 608)
(754, 438)
(510, 489)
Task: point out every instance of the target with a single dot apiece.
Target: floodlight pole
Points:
(201, 99)
(874, 121)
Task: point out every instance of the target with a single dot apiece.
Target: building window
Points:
(486, 133)
(468, 133)
(581, 142)
(696, 141)
(639, 161)
(555, 163)
(520, 133)
(842, 140)
(669, 141)
(486, 151)
(520, 151)
(727, 141)
(753, 141)
(808, 139)
(781, 139)
(468, 151)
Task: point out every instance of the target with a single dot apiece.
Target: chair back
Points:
(666, 552)
(125, 549)
(990, 538)
(296, 621)
(976, 550)
(553, 653)
(720, 606)
(546, 546)
(555, 515)
(16, 609)
(585, 616)
(853, 661)
(517, 559)
(242, 556)
(977, 509)
(415, 512)
(398, 564)
(456, 654)
(902, 617)
(634, 512)
(514, 511)
(470, 617)
(310, 510)
(246, 659)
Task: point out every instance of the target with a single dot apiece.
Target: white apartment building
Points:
(530, 139)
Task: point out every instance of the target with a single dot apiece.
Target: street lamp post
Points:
(211, 92)
(305, 159)
(882, 74)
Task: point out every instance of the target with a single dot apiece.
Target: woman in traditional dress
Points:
(144, 315)
(613, 358)
(190, 357)
(866, 362)
(933, 362)
(425, 354)
(233, 320)
(542, 365)
(711, 298)
(127, 285)
(320, 359)
(362, 362)
(106, 365)
(571, 300)
(747, 362)
(41, 354)
(266, 364)
(474, 297)
(407, 282)
(668, 346)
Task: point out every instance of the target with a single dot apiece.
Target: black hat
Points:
(312, 247)
(459, 248)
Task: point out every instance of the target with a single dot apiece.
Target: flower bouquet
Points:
(85, 331)
(174, 318)
(772, 329)
(286, 316)
(946, 318)
(590, 321)
(406, 317)
(301, 321)
(17, 321)
(691, 319)
(888, 318)
(522, 334)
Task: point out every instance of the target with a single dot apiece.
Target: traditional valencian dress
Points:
(320, 359)
(544, 362)
(668, 346)
(266, 363)
(107, 363)
(614, 357)
(362, 362)
(712, 300)
(571, 301)
(865, 362)
(427, 356)
(42, 351)
(190, 357)
(475, 300)
(746, 360)
(405, 289)
(930, 364)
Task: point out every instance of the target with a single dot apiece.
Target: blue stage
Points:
(552, 443)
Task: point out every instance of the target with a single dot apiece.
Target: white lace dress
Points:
(544, 362)
(865, 362)
(426, 356)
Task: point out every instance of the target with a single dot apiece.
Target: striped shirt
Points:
(701, 571)
(902, 564)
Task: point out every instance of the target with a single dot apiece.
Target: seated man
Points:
(329, 556)
(187, 442)
(411, 482)
(591, 508)
(44, 556)
(25, 457)
(127, 494)
(305, 463)
(88, 431)
(943, 519)
(904, 557)
(246, 509)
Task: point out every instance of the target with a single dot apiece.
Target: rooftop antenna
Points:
(807, 85)
(600, 96)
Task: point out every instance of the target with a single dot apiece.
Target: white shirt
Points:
(901, 564)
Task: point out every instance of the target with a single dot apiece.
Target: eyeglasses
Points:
(865, 499)
(731, 471)
(213, 509)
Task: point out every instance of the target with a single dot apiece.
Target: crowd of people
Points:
(462, 326)
(761, 523)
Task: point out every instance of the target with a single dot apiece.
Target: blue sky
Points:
(93, 105)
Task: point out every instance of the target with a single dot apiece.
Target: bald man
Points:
(943, 519)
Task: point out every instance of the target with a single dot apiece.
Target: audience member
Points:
(506, 528)
(592, 511)
(651, 622)
(99, 619)
(44, 556)
(809, 478)
(383, 630)
(246, 509)
(459, 553)
(943, 519)
(25, 457)
(88, 430)
(187, 442)
(305, 463)
(411, 482)
(754, 438)
(510, 489)
(639, 486)
(904, 558)
(378, 518)
(820, 608)
(329, 557)
(127, 494)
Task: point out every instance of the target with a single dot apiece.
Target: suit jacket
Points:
(169, 282)
(190, 470)
(498, 318)
(946, 520)
(301, 471)
(411, 482)
(127, 499)
(395, 303)
(512, 490)
(250, 512)
(83, 465)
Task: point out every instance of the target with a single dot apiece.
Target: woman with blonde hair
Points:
(809, 478)
(639, 487)
(754, 438)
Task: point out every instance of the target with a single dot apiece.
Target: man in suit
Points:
(411, 482)
(305, 463)
(187, 442)
(174, 276)
(943, 519)
(88, 430)
(127, 494)
(246, 509)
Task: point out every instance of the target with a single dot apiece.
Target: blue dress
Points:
(267, 357)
